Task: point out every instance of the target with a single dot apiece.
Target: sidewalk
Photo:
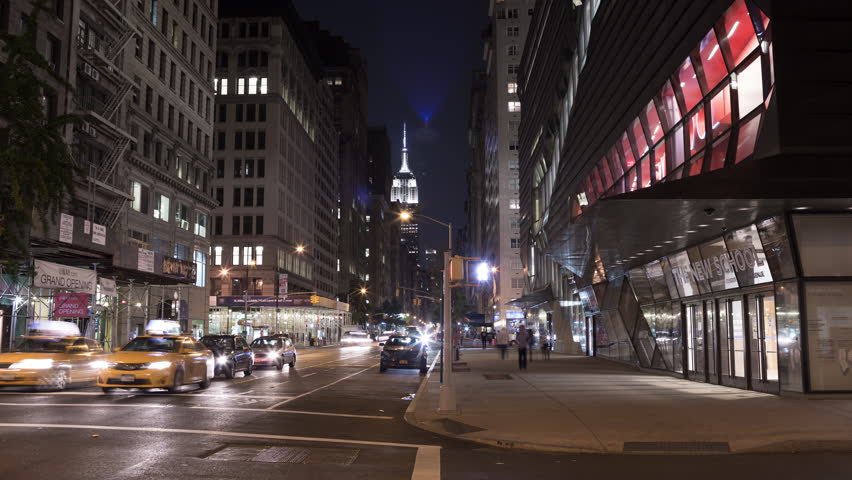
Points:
(585, 404)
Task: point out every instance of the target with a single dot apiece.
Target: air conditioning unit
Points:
(87, 69)
(95, 74)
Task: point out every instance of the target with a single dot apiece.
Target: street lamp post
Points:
(447, 399)
(250, 264)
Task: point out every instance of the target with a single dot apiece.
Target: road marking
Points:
(218, 433)
(320, 388)
(245, 393)
(427, 463)
(308, 375)
(157, 405)
(132, 394)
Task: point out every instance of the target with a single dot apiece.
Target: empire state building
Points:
(404, 191)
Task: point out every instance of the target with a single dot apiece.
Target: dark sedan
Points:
(404, 351)
(232, 352)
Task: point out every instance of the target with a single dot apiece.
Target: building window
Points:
(367, 253)
(515, 242)
(153, 12)
(513, 31)
(200, 268)
(235, 225)
(217, 255)
(252, 85)
(217, 225)
(513, 68)
(237, 196)
(512, 50)
(140, 197)
(201, 224)
(161, 207)
(235, 256)
(258, 225)
(241, 86)
(258, 255)
(182, 215)
(514, 204)
(261, 168)
(518, 282)
(514, 106)
(513, 87)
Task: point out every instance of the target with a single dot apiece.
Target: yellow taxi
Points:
(157, 361)
(48, 361)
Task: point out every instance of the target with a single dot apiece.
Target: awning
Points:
(533, 299)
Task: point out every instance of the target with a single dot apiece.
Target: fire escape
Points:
(108, 89)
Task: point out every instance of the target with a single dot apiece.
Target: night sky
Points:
(420, 61)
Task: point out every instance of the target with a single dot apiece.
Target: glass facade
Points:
(721, 88)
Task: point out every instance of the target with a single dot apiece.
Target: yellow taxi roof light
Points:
(162, 327)
(53, 328)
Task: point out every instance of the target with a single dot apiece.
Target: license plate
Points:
(128, 378)
(403, 362)
(7, 376)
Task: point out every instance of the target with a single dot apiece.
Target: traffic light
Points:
(314, 299)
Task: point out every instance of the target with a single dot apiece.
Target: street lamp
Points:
(300, 249)
(447, 400)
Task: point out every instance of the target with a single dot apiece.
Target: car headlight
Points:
(33, 364)
(159, 365)
(221, 360)
(101, 364)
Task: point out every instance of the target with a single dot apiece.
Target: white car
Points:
(356, 337)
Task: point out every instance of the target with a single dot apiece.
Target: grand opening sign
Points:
(63, 277)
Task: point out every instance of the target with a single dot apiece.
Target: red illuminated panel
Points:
(720, 111)
(655, 128)
(645, 167)
(738, 31)
(689, 84)
(676, 147)
(615, 163)
(639, 138)
(632, 180)
(747, 138)
(627, 149)
(697, 131)
(668, 105)
(597, 182)
(695, 166)
(711, 60)
(720, 150)
(660, 161)
(605, 175)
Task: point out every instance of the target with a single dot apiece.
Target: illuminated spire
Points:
(404, 168)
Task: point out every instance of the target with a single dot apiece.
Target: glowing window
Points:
(627, 149)
(615, 163)
(645, 168)
(514, 106)
(597, 182)
(263, 86)
(655, 128)
(668, 105)
(632, 180)
(241, 86)
(513, 87)
(750, 86)
(738, 31)
(252, 86)
(697, 131)
(660, 161)
(711, 60)
(689, 84)
(676, 147)
(639, 138)
(719, 152)
(720, 111)
(605, 174)
(747, 138)
(695, 166)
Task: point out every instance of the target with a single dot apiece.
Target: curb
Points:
(409, 412)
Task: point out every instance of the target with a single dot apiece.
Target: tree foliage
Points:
(35, 161)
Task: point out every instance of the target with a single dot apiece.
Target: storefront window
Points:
(654, 271)
(641, 286)
(660, 161)
(667, 273)
(829, 321)
(720, 111)
(696, 165)
(776, 247)
(701, 278)
(615, 163)
(747, 138)
(655, 128)
(750, 87)
(789, 336)
(719, 152)
(639, 138)
(645, 168)
(682, 274)
(668, 105)
(632, 180)
(689, 84)
(736, 28)
(676, 149)
(697, 131)
(746, 257)
(712, 60)
(603, 168)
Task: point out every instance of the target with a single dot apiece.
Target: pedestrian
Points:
(545, 346)
(523, 342)
(502, 342)
(484, 337)
(531, 343)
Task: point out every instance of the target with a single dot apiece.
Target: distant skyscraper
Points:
(404, 191)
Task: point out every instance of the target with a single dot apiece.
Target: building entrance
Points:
(695, 360)
(763, 342)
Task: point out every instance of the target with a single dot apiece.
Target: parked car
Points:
(404, 351)
(51, 362)
(274, 351)
(232, 353)
(157, 361)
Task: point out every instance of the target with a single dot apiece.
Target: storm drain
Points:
(293, 455)
(676, 447)
(497, 376)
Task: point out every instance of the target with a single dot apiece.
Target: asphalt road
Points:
(333, 416)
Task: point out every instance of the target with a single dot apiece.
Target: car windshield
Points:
(402, 341)
(43, 345)
(225, 344)
(152, 344)
(266, 342)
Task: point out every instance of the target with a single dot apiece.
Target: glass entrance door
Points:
(711, 341)
(733, 342)
(763, 342)
(695, 341)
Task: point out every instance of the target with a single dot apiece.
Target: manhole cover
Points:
(710, 447)
(294, 455)
(497, 376)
